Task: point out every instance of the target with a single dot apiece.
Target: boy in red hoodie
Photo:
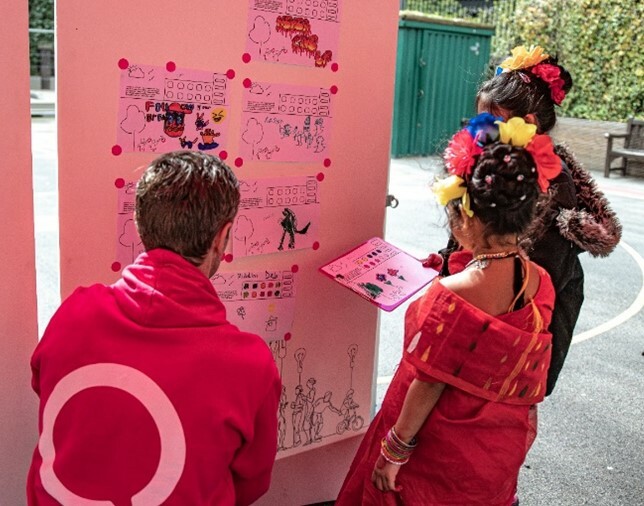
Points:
(148, 395)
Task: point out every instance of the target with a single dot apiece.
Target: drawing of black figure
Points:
(298, 406)
(309, 405)
(289, 226)
(351, 421)
(281, 421)
(317, 420)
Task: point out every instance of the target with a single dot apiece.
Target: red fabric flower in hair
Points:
(460, 154)
(547, 162)
(551, 74)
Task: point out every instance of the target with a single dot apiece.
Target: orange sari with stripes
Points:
(476, 437)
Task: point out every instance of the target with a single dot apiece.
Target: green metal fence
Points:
(439, 68)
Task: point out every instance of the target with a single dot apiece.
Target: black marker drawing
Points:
(289, 226)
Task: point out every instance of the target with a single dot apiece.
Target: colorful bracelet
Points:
(394, 450)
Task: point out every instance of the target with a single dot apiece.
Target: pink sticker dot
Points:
(247, 83)
(119, 182)
(123, 64)
(333, 89)
(320, 177)
(334, 67)
(287, 336)
(239, 162)
(223, 154)
(294, 269)
(116, 266)
(316, 246)
(228, 258)
(327, 162)
(230, 74)
(246, 58)
(117, 150)
(171, 66)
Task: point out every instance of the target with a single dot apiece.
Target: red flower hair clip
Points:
(460, 154)
(551, 75)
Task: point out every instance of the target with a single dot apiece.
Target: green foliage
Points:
(41, 15)
(600, 42)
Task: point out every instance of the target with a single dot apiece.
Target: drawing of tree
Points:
(244, 230)
(260, 33)
(130, 237)
(134, 123)
(253, 134)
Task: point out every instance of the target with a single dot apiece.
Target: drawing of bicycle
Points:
(351, 422)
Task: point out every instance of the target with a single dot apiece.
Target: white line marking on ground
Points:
(632, 310)
(626, 315)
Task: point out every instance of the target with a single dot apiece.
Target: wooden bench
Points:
(633, 149)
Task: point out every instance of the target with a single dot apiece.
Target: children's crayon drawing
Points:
(296, 32)
(380, 273)
(128, 242)
(276, 215)
(285, 123)
(259, 302)
(162, 111)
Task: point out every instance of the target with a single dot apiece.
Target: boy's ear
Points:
(221, 239)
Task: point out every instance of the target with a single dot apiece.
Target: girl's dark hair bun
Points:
(503, 188)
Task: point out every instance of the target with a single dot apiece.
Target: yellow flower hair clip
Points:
(450, 188)
(522, 58)
(516, 132)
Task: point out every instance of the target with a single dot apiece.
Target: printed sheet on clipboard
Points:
(380, 272)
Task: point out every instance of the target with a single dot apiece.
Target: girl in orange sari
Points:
(454, 427)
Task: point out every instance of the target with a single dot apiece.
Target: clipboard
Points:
(380, 272)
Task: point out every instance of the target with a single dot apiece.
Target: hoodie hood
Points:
(163, 290)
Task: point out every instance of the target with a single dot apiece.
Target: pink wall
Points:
(18, 321)
(210, 35)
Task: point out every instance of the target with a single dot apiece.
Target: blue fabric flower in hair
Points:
(483, 128)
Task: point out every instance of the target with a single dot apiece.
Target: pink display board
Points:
(332, 337)
(296, 32)
(284, 123)
(18, 323)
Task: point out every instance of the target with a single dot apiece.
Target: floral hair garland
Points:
(466, 145)
(531, 61)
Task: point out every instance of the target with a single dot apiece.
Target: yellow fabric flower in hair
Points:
(516, 132)
(450, 188)
(522, 58)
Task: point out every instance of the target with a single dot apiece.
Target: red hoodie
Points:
(149, 396)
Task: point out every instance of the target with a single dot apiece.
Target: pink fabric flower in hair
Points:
(551, 75)
(460, 154)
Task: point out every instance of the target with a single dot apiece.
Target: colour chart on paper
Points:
(285, 123)
(277, 215)
(161, 110)
(380, 272)
(259, 302)
(296, 32)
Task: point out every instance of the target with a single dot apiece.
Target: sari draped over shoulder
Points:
(475, 439)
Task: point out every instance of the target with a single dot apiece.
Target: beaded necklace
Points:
(483, 260)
